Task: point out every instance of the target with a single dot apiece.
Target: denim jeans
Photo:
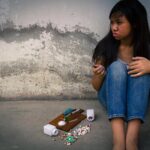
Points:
(122, 95)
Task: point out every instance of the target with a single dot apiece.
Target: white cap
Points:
(55, 132)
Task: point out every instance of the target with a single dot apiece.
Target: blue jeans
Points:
(122, 95)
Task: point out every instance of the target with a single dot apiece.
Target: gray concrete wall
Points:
(46, 47)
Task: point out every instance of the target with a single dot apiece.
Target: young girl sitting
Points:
(121, 72)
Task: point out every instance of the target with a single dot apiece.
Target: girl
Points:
(121, 72)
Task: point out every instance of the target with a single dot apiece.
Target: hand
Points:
(98, 69)
(139, 66)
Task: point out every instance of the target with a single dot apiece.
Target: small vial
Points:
(50, 130)
(90, 114)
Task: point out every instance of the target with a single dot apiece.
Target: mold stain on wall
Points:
(44, 63)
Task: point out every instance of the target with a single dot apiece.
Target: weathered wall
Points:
(46, 47)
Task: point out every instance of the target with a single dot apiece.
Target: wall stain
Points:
(44, 63)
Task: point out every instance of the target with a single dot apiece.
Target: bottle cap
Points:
(55, 132)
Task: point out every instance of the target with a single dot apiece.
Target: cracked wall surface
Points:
(46, 47)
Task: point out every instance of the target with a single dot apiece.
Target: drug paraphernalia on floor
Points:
(71, 137)
(90, 114)
(72, 117)
(50, 130)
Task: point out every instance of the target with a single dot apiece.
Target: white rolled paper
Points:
(90, 114)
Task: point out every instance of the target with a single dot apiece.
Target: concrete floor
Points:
(21, 126)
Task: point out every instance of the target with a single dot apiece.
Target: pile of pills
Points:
(83, 130)
(71, 137)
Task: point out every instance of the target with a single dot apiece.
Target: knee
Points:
(144, 78)
(117, 70)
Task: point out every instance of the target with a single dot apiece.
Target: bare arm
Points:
(97, 81)
(98, 76)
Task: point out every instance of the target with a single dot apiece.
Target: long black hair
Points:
(136, 14)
